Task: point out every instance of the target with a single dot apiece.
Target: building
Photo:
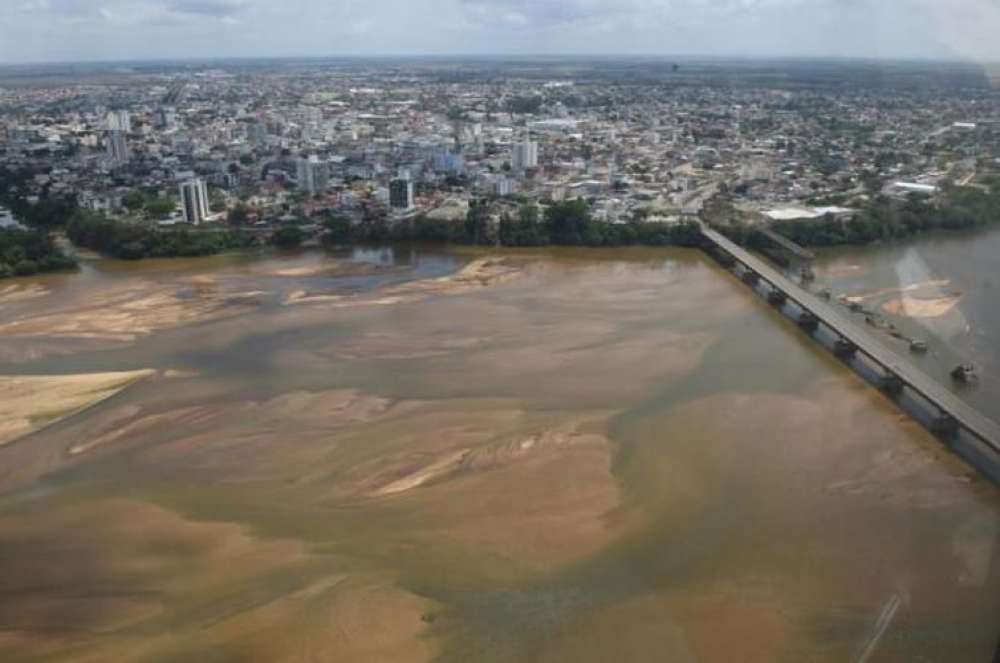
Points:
(7, 219)
(257, 133)
(401, 194)
(194, 201)
(449, 162)
(525, 156)
(313, 175)
(165, 118)
(795, 213)
(504, 186)
(119, 120)
(902, 189)
(117, 146)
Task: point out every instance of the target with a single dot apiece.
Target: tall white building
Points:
(194, 201)
(117, 146)
(313, 175)
(504, 186)
(525, 156)
(119, 120)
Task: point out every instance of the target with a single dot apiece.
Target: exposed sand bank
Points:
(325, 269)
(126, 312)
(10, 294)
(479, 273)
(30, 403)
(915, 307)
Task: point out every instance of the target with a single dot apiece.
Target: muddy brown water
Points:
(616, 455)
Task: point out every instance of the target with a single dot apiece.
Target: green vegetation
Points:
(133, 241)
(887, 219)
(288, 237)
(138, 201)
(26, 252)
(566, 223)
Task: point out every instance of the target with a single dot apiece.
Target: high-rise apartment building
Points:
(119, 120)
(194, 201)
(313, 175)
(401, 193)
(525, 155)
(117, 147)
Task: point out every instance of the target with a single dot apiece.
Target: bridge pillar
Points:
(808, 322)
(946, 425)
(777, 297)
(723, 258)
(892, 384)
(844, 348)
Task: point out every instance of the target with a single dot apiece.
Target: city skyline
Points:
(39, 31)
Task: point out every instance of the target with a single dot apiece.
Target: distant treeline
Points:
(26, 252)
(567, 223)
(885, 219)
(133, 241)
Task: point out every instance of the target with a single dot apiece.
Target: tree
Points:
(216, 200)
(568, 222)
(238, 216)
(25, 252)
(134, 200)
(158, 208)
(524, 229)
(477, 222)
(288, 237)
(339, 230)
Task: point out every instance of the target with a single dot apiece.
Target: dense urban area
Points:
(143, 160)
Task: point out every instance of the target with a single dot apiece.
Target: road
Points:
(967, 416)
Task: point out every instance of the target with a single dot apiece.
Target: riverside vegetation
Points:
(568, 223)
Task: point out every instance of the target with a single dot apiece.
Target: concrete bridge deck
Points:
(967, 417)
(788, 245)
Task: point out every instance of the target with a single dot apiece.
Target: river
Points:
(561, 455)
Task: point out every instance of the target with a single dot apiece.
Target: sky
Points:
(78, 30)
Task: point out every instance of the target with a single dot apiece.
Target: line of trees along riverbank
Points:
(27, 252)
(886, 219)
(567, 223)
(133, 241)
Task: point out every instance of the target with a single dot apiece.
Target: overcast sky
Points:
(69, 30)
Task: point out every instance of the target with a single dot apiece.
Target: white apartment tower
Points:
(194, 201)
(117, 145)
(313, 175)
(525, 156)
(119, 120)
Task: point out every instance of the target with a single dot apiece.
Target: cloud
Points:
(214, 8)
(543, 13)
(37, 30)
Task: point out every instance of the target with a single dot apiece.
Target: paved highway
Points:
(967, 416)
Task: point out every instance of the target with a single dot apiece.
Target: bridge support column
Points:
(723, 258)
(844, 348)
(808, 322)
(776, 297)
(946, 425)
(892, 384)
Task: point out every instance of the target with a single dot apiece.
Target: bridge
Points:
(788, 245)
(897, 373)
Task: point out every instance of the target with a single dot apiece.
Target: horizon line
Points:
(690, 57)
